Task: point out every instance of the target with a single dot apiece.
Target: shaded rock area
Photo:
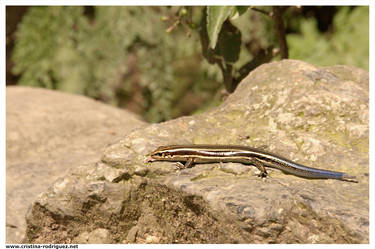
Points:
(47, 134)
(315, 116)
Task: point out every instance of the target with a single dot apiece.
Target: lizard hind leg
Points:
(263, 172)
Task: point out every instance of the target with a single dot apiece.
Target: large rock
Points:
(48, 133)
(315, 116)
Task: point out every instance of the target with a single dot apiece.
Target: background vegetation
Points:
(164, 62)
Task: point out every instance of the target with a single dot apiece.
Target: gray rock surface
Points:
(315, 116)
(48, 133)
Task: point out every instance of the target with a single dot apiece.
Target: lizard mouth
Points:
(150, 159)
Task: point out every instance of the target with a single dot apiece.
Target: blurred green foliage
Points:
(150, 59)
(123, 55)
(348, 44)
(45, 44)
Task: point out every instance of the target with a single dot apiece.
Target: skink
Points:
(191, 154)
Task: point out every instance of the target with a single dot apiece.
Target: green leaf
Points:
(238, 11)
(242, 9)
(216, 15)
(229, 43)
